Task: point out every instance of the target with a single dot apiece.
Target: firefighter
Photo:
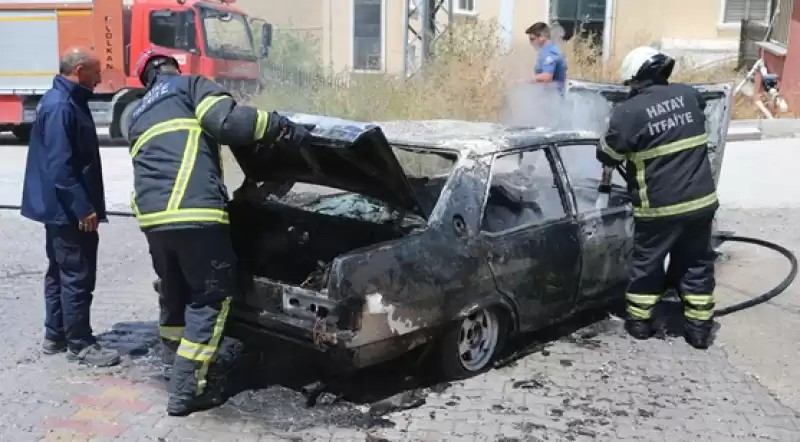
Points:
(659, 131)
(180, 202)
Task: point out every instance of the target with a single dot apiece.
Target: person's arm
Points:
(549, 62)
(232, 124)
(59, 127)
(614, 144)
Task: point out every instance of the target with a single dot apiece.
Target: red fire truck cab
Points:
(207, 37)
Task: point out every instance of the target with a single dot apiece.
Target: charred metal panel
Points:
(424, 279)
(719, 101)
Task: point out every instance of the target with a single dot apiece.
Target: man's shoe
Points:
(95, 355)
(698, 334)
(639, 329)
(50, 347)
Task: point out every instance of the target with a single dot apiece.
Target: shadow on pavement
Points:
(287, 388)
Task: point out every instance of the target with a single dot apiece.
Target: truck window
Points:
(173, 30)
(227, 35)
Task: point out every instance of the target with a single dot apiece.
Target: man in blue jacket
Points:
(63, 189)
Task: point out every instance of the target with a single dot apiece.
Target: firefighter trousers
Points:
(688, 243)
(197, 268)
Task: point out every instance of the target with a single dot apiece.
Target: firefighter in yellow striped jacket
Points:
(180, 202)
(660, 133)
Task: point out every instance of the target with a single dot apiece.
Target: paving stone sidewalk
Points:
(595, 384)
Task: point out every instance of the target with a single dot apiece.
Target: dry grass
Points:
(470, 76)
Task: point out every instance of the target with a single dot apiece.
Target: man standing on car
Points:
(180, 202)
(551, 66)
(63, 189)
(660, 131)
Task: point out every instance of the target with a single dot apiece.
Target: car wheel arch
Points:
(498, 300)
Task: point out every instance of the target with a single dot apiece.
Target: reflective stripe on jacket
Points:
(660, 134)
(175, 136)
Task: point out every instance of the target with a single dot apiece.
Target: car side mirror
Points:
(266, 39)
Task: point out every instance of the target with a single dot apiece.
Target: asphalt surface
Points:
(584, 380)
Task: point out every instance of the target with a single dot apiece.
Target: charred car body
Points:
(450, 232)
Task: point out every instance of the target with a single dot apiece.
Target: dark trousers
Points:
(69, 284)
(688, 242)
(197, 268)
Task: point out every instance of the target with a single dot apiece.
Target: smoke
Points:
(541, 105)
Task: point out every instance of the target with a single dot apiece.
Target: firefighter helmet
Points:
(645, 63)
(149, 63)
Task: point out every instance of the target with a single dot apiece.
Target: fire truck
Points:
(207, 37)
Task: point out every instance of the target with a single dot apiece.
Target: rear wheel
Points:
(126, 117)
(471, 344)
(22, 132)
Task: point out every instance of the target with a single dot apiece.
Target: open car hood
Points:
(718, 96)
(343, 154)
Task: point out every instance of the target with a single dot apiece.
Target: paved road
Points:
(589, 384)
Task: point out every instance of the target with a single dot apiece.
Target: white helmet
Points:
(645, 63)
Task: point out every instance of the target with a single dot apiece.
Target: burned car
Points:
(448, 233)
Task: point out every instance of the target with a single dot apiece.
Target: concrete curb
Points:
(746, 130)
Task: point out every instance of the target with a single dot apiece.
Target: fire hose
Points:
(719, 237)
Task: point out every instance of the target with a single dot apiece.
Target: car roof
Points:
(479, 138)
(466, 137)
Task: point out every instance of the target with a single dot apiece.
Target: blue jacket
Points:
(63, 175)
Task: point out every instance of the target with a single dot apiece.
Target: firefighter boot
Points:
(698, 333)
(185, 397)
(221, 376)
(639, 328)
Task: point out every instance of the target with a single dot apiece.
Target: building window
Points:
(368, 35)
(465, 6)
(738, 10)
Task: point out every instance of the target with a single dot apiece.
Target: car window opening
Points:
(523, 191)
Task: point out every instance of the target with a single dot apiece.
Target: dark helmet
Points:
(646, 64)
(149, 63)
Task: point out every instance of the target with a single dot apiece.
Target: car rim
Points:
(478, 339)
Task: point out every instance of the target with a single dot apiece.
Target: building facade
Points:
(369, 35)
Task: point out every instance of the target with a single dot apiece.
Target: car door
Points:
(718, 97)
(529, 236)
(605, 232)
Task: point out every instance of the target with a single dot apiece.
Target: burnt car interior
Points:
(293, 239)
(584, 173)
(523, 191)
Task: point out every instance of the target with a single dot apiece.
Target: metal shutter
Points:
(738, 10)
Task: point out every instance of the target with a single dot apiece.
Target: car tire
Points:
(22, 133)
(126, 117)
(471, 344)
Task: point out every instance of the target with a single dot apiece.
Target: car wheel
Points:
(471, 344)
(22, 133)
(126, 118)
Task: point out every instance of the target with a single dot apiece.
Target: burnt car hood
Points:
(343, 154)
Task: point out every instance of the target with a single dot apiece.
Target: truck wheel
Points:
(125, 118)
(22, 132)
(470, 345)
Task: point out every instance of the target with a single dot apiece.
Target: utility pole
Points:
(425, 22)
